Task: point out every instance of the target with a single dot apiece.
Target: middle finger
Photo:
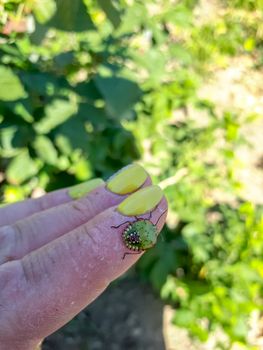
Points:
(35, 231)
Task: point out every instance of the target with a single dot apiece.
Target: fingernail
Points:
(127, 180)
(141, 201)
(79, 191)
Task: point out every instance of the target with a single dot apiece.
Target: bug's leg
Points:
(131, 253)
(150, 216)
(160, 217)
(137, 217)
(151, 212)
(126, 222)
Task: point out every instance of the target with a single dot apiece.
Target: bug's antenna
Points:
(126, 222)
(150, 216)
(160, 217)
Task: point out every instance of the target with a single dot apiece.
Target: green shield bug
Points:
(139, 235)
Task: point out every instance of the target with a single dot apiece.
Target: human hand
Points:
(60, 251)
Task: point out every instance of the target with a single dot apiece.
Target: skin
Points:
(56, 256)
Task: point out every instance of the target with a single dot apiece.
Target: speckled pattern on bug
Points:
(140, 235)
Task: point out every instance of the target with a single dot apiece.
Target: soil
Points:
(126, 316)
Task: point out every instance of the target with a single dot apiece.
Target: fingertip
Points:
(81, 190)
(127, 180)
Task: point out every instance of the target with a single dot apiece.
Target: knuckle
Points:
(35, 268)
(30, 270)
(5, 277)
(82, 209)
(7, 244)
(42, 203)
(85, 230)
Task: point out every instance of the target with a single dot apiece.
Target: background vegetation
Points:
(89, 86)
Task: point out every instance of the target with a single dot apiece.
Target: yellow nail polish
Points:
(127, 180)
(141, 201)
(81, 190)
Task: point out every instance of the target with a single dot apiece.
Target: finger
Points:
(17, 211)
(26, 235)
(50, 285)
(118, 184)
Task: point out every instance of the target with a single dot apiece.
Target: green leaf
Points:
(20, 108)
(21, 168)
(184, 318)
(159, 275)
(10, 86)
(249, 44)
(6, 141)
(89, 90)
(46, 150)
(39, 34)
(120, 95)
(63, 60)
(240, 328)
(13, 193)
(71, 16)
(55, 114)
(111, 12)
(82, 169)
(87, 112)
(74, 133)
(43, 83)
(63, 144)
(199, 332)
(180, 16)
(44, 10)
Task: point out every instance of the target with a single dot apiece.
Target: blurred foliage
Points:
(89, 86)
